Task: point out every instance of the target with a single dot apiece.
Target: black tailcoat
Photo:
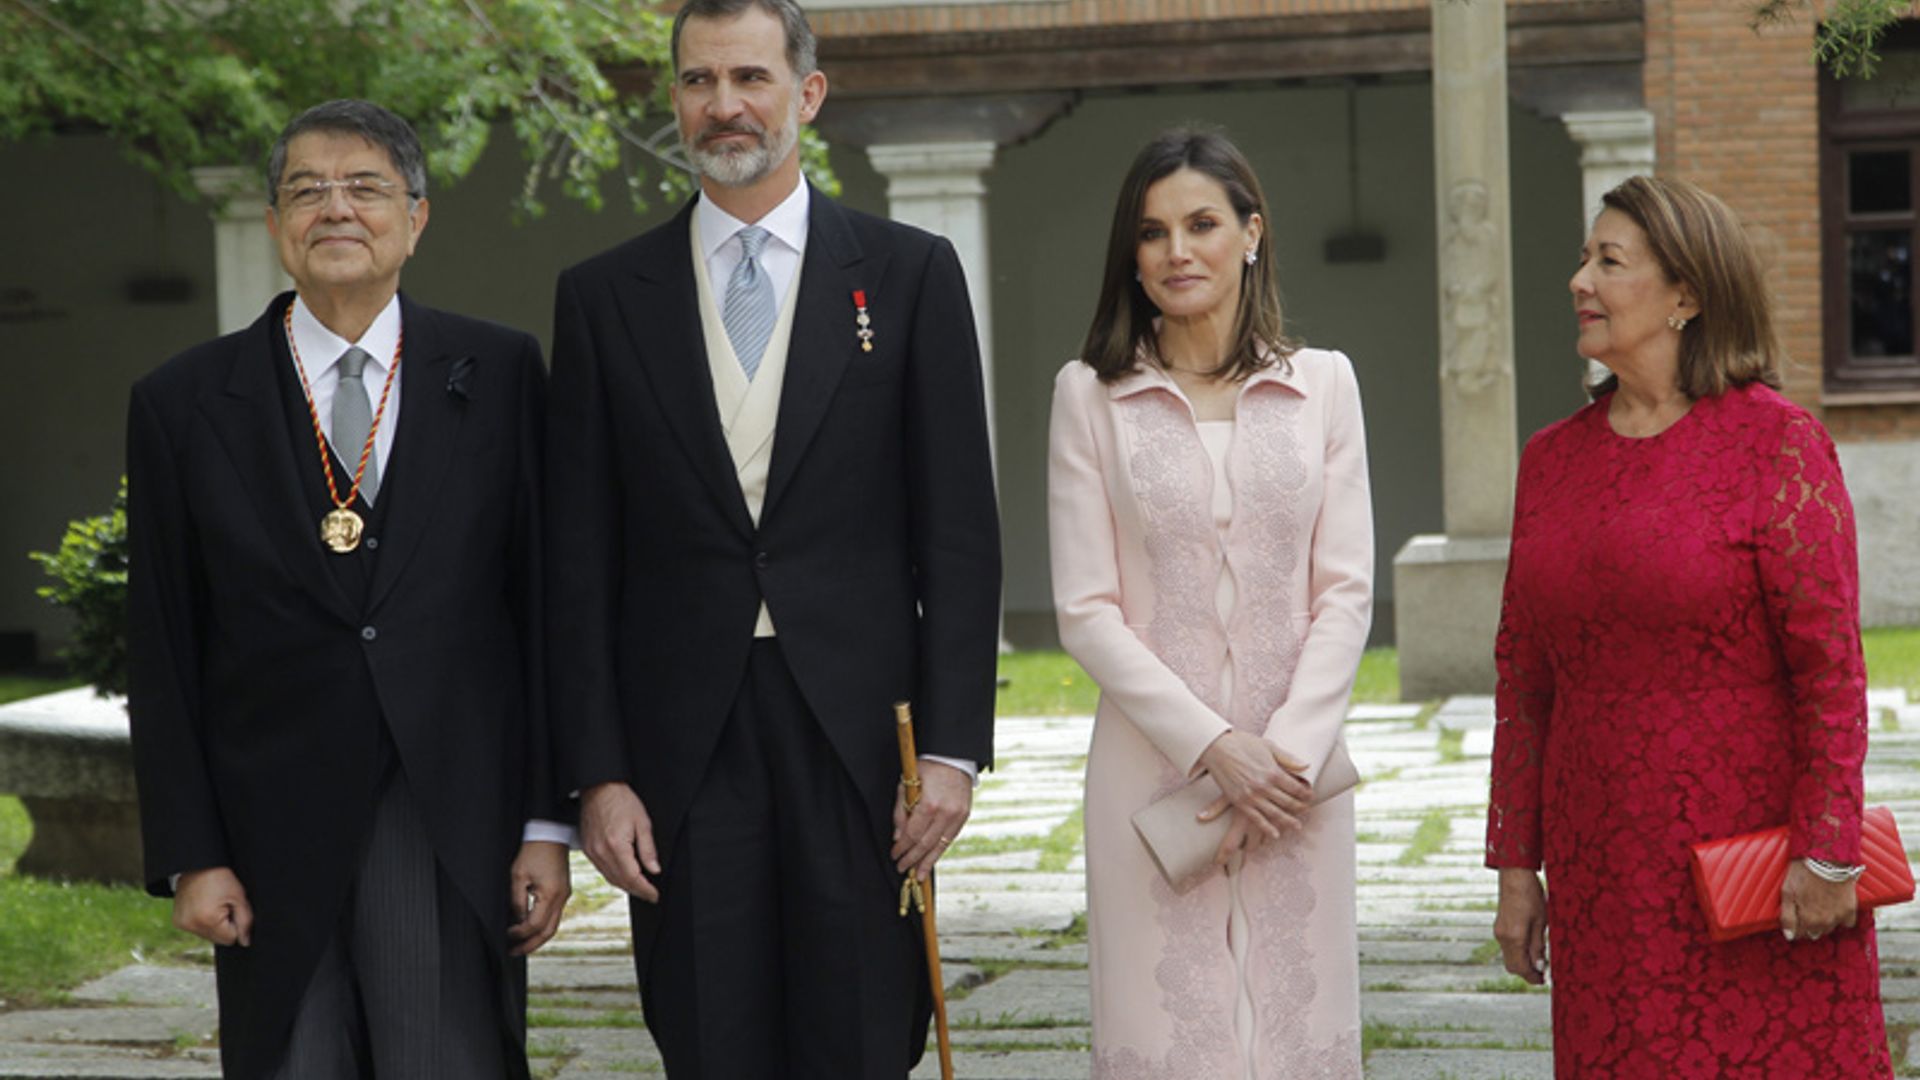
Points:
(273, 683)
(877, 550)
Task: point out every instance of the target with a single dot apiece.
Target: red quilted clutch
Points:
(1739, 877)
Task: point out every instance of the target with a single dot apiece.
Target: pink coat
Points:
(1136, 554)
(1137, 563)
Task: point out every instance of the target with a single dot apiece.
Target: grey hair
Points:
(351, 116)
(803, 51)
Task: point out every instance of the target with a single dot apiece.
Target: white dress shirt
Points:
(781, 257)
(317, 351)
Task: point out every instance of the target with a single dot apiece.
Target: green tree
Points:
(188, 83)
(90, 579)
(1848, 32)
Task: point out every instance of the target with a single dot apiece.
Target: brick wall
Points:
(1737, 112)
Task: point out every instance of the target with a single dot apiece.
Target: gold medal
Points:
(340, 530)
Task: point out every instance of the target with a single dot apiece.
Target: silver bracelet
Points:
(1838, 873)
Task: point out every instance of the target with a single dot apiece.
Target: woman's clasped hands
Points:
(1261, 784)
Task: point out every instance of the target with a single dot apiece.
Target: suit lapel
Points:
(429, 428)
(661, 310)
(249, 420)
(833, 267)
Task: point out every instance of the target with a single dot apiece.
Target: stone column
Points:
(1447, 587)
(1614, 145)
(938, 186)
(246, 265)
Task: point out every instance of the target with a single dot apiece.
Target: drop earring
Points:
(1252, 257)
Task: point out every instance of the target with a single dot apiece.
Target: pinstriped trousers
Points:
(405, 990)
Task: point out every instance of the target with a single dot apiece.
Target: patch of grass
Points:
(611, 1018)
(1893, 658)
(56, 935)
(1375, 1036)
(547, 1048)
(1424, 718)
(1045, 682)
(1431, 835)
(1451, 742)
(1057, 850)
(1010, 1020)
(1486, 952)
(1507, 984)
(1074, 934)
(16, 687)
(16, 830)
(1378, 681)
(1899, 1038)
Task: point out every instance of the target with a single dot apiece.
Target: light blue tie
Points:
(353, 420)
(749, 310)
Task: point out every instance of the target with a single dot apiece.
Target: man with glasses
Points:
(334, 649)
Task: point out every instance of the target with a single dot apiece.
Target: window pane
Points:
(1895, 83)
(1880, 272)
(1878, 182)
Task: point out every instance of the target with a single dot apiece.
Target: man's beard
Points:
(741, 166)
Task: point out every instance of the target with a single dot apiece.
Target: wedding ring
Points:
(944, 840)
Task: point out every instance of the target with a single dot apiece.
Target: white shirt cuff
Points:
(550, 832)
(971, 769)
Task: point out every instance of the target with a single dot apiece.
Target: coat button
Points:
(368, 633)
(373, 543)
(760, 560)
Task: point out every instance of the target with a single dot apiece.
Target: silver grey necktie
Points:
(352, 419)
(749, 311)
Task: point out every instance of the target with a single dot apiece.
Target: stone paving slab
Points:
(1026, 998)
(1423, 931)
(1009, 1065)
(150, 984)
(165, 1025)
(1460, 1064)
(105, 1063)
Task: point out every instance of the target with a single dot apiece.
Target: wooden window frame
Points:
(1842, 132)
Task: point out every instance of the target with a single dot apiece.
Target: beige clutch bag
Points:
(1183, 846)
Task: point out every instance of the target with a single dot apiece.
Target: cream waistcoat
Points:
(748, 410)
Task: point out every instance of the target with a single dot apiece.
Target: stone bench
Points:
(70, 760)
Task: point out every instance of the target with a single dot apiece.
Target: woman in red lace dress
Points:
(1679, 659)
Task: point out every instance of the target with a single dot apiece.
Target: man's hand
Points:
(1811, 908)
(538, 894)
(617, 835)
(920, 838)
(1520, 926)
(211, 904)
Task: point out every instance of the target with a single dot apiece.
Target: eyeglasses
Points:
(366, 192)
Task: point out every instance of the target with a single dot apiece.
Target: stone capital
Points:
(1618, 138)
(999, 120)
(933, 169)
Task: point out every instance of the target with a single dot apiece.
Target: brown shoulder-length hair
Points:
(1702, 246)
(1122, 327)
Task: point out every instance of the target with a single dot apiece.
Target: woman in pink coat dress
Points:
(1212, 547)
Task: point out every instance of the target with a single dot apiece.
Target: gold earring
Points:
(1678, 322)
